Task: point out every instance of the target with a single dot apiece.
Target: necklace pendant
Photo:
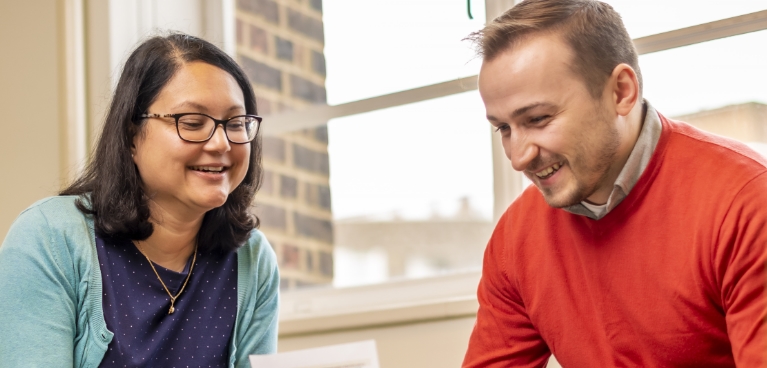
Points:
(171, 310)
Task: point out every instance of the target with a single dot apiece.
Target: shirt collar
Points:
(635, 165)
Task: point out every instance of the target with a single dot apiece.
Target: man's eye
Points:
(538, 119)
(502, 128)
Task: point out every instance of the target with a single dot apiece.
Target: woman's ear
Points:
(135, 140)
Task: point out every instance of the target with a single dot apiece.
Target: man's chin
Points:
(560, 198)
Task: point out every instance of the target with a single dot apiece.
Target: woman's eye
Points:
(235, 125)
(191, 124)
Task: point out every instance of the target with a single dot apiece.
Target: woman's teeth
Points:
(208, 168)
(548, 171)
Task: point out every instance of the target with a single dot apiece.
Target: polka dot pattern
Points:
(136, 307)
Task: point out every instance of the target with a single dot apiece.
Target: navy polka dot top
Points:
(136, 306)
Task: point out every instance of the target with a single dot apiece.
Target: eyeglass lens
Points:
(240, 129)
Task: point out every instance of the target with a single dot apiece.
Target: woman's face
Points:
(191, 177)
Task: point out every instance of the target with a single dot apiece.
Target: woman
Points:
(151, 257)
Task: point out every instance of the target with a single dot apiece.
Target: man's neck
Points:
(629, 128)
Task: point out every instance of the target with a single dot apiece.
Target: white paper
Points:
(361, 354)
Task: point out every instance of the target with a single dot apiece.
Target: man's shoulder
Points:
(707, 164)
(689, 141)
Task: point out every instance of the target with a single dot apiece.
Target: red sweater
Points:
(674, 276)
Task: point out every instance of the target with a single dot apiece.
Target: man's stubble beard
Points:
(609, 143)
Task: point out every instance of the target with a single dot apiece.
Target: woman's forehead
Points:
(202, 87)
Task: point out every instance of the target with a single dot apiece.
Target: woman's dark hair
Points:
(110, 188)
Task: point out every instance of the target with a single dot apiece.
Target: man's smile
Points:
(548, 171)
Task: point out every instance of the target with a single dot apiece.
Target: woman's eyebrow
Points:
(201, 107)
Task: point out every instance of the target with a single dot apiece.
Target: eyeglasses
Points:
(196, 128)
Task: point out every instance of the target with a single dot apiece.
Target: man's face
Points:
(564, 140)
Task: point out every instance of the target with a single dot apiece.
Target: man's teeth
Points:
(208, 168)
(546, 172)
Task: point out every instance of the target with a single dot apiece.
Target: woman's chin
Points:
(211, 202)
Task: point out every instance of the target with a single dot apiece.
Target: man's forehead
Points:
(540, 59)
(539, 48)
(532, 75)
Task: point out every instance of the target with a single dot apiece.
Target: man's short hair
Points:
(593, 29)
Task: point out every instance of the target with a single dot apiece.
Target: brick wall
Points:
(280, 47)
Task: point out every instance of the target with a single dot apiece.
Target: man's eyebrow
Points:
(525, 109)
(522, 110)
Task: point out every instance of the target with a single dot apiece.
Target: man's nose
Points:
(520, 150)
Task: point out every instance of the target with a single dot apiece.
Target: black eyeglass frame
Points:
(216, 121)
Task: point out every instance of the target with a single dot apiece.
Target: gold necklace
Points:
(172, 297)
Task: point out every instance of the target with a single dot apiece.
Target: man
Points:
(642, 242)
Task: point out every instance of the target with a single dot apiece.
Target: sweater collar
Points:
(634, 167)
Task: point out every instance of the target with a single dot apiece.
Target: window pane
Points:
(707, 75)
(375, 47)
(647, 17)
(412, 190)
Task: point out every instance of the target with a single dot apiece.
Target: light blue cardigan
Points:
(50, 292)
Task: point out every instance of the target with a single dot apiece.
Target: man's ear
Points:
(623, 88)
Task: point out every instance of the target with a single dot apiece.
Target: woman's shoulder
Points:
(51, 231)
(257, 262)
(257, 248)
(53, 212)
